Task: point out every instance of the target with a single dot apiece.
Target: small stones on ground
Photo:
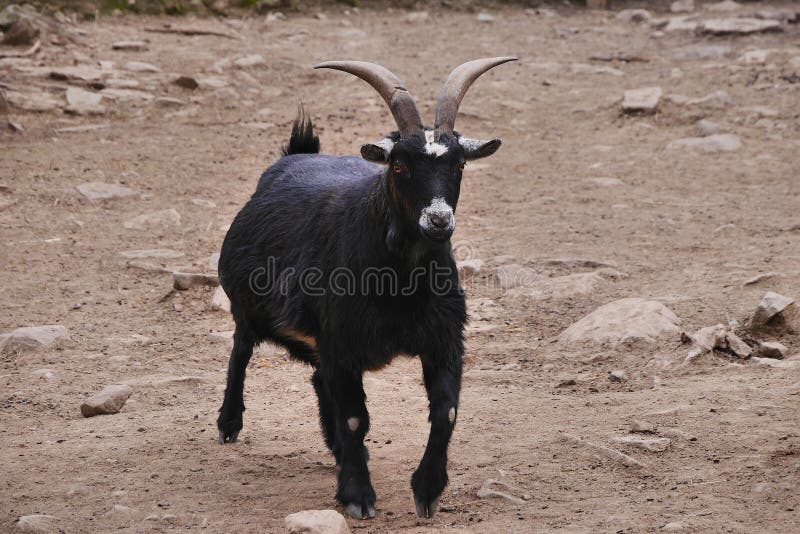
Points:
(710, 145)
(759, 278)
(642, 427)
(109, 401)
(652, 444)
(252, 60)
(643, 100)
(486, 491)
(739, 26)
(220, 301)
(772, 349)
(618, 375)
(162, 253)
(316, 522)
(634, 15)
(698, 52)
(682, 6)
(706, 127)
(716, 337)
(82, 102)
(469, 268)
(41, 523)
(162, 218)
(676, 433)
(772, 304)
(485, 17)
(183, 281)
(608, 452)
(187, 82)
(621, 321)
(103, 191)
(32, 338)
(129, 45)
(779, 364)
(140, 66)
(673, 526)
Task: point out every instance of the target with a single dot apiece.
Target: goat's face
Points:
(424, 177)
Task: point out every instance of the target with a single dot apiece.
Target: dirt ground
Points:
(684, 227)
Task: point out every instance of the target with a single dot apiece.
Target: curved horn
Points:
(392, 90)
(454, 89)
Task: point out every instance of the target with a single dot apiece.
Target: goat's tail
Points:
(302, 140)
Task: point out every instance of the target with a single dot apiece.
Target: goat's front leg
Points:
(354, 490)
(443, 384)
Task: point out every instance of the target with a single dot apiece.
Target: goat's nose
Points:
(440, 221)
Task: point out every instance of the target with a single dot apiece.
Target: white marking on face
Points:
(387, 145)
(353, 423)
(433, 148)
(451, 415)
(439, 207)
(470, 145)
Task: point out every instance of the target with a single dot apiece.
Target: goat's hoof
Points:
(426, 510)
(357, 511)
(228, 438)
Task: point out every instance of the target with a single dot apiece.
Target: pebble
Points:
(183, 281)
(710, 144)
(163, 218)
(682, 6)
(41, 523)
(697, 52)
(673, 526)
(754, 57)
(121, 83)
(103, 191)
(82, 102)
(32, 338)
(618, 375)
(45, 374)
(316, 522)
(759, 278)
(642, 427)
(252, 60)
(109, 401)
(140, 66)
(643, 100)
(622, 321)
(770, 306)
(486, 491)
(647, 443)
(484, 17)
(739, 26)
(676, 24)
(169, 102)
(779, 364)
(187, 82)
(706, 127)
(204, 203)
(772, 349)
(129, 45)
(725, 6)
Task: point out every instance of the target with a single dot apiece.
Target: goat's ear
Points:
(374, 153)
(476, 149)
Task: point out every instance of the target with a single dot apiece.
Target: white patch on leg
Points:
(431, 147)
(451, 415)
(352, 424)
(439, 207)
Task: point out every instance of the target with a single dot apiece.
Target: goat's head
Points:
(424, 165)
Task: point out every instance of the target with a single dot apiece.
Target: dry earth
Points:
(684, 227)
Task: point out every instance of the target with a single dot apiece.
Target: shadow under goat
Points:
(348, 264)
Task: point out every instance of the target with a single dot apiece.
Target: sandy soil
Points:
(683, 227)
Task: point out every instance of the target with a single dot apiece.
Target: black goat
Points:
(348, 265)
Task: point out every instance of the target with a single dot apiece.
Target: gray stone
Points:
(710, 144)
(607, 181)
(486, 491)
(42, 523)
(726, 6)
(220, 301)
(126, 95)
(641, 100)
(642, 427)
(187, 82)
(109, 401)
(682, 6)
(484, 17)
(82, 102)
(771, 305)
(32, 100)
(129, 45)
(621, 321)
(140, 66)
(634, 15)
(44, 374)
(77, 73)
(162, 218)
(652, 444)
(739, 26)
(32, 338)
(103, 191)
(755, 57)
(698, 52)
(252, 60)
(183, 281)
(759, 278)
(316, 522)
(715, 100)
(162, 253)
(706, 127)
(679, 24)
(618, 375)
(778, 364)
(772, 349)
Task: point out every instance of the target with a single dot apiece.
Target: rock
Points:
(578, 263)
(252, 60)
(39, 523)
(21, 33)
(213, 261)
(706, 127)
(717, 337)
(759, 278)
(484, 17)
(103, 191)
(738, 346)
(676, 433)
(486, 491)
(618, 375)
(561, 287)
(725, 6)
(317, 522)
(32, 338)
(682, 6)
(673, 526)
(634, 15)
(129, 45)
(754, 57)
(779, 364)
(169, 102)
(139, 66)
(32, 100)
(647, 443)
(644, 100)
(44, 374)
(220, 301)
(183, 281)
(168, 217)
(676, 24)
(187, 82)
(710, 144)
(82, 102)
(607, 181)
(739, 26)
(469, 268)
(78, 73)
(109, 401)
(782, 15)
(642, 427)
(697, 52)
(151, 253)
(514, 275)
(126, 95)
(771, 305)
(772, 349)
(417, 16)
(204, 203)
(715, 100)
(582, 68)
(621, 321)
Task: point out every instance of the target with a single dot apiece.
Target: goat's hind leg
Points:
(327, 416)
(229, 421)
